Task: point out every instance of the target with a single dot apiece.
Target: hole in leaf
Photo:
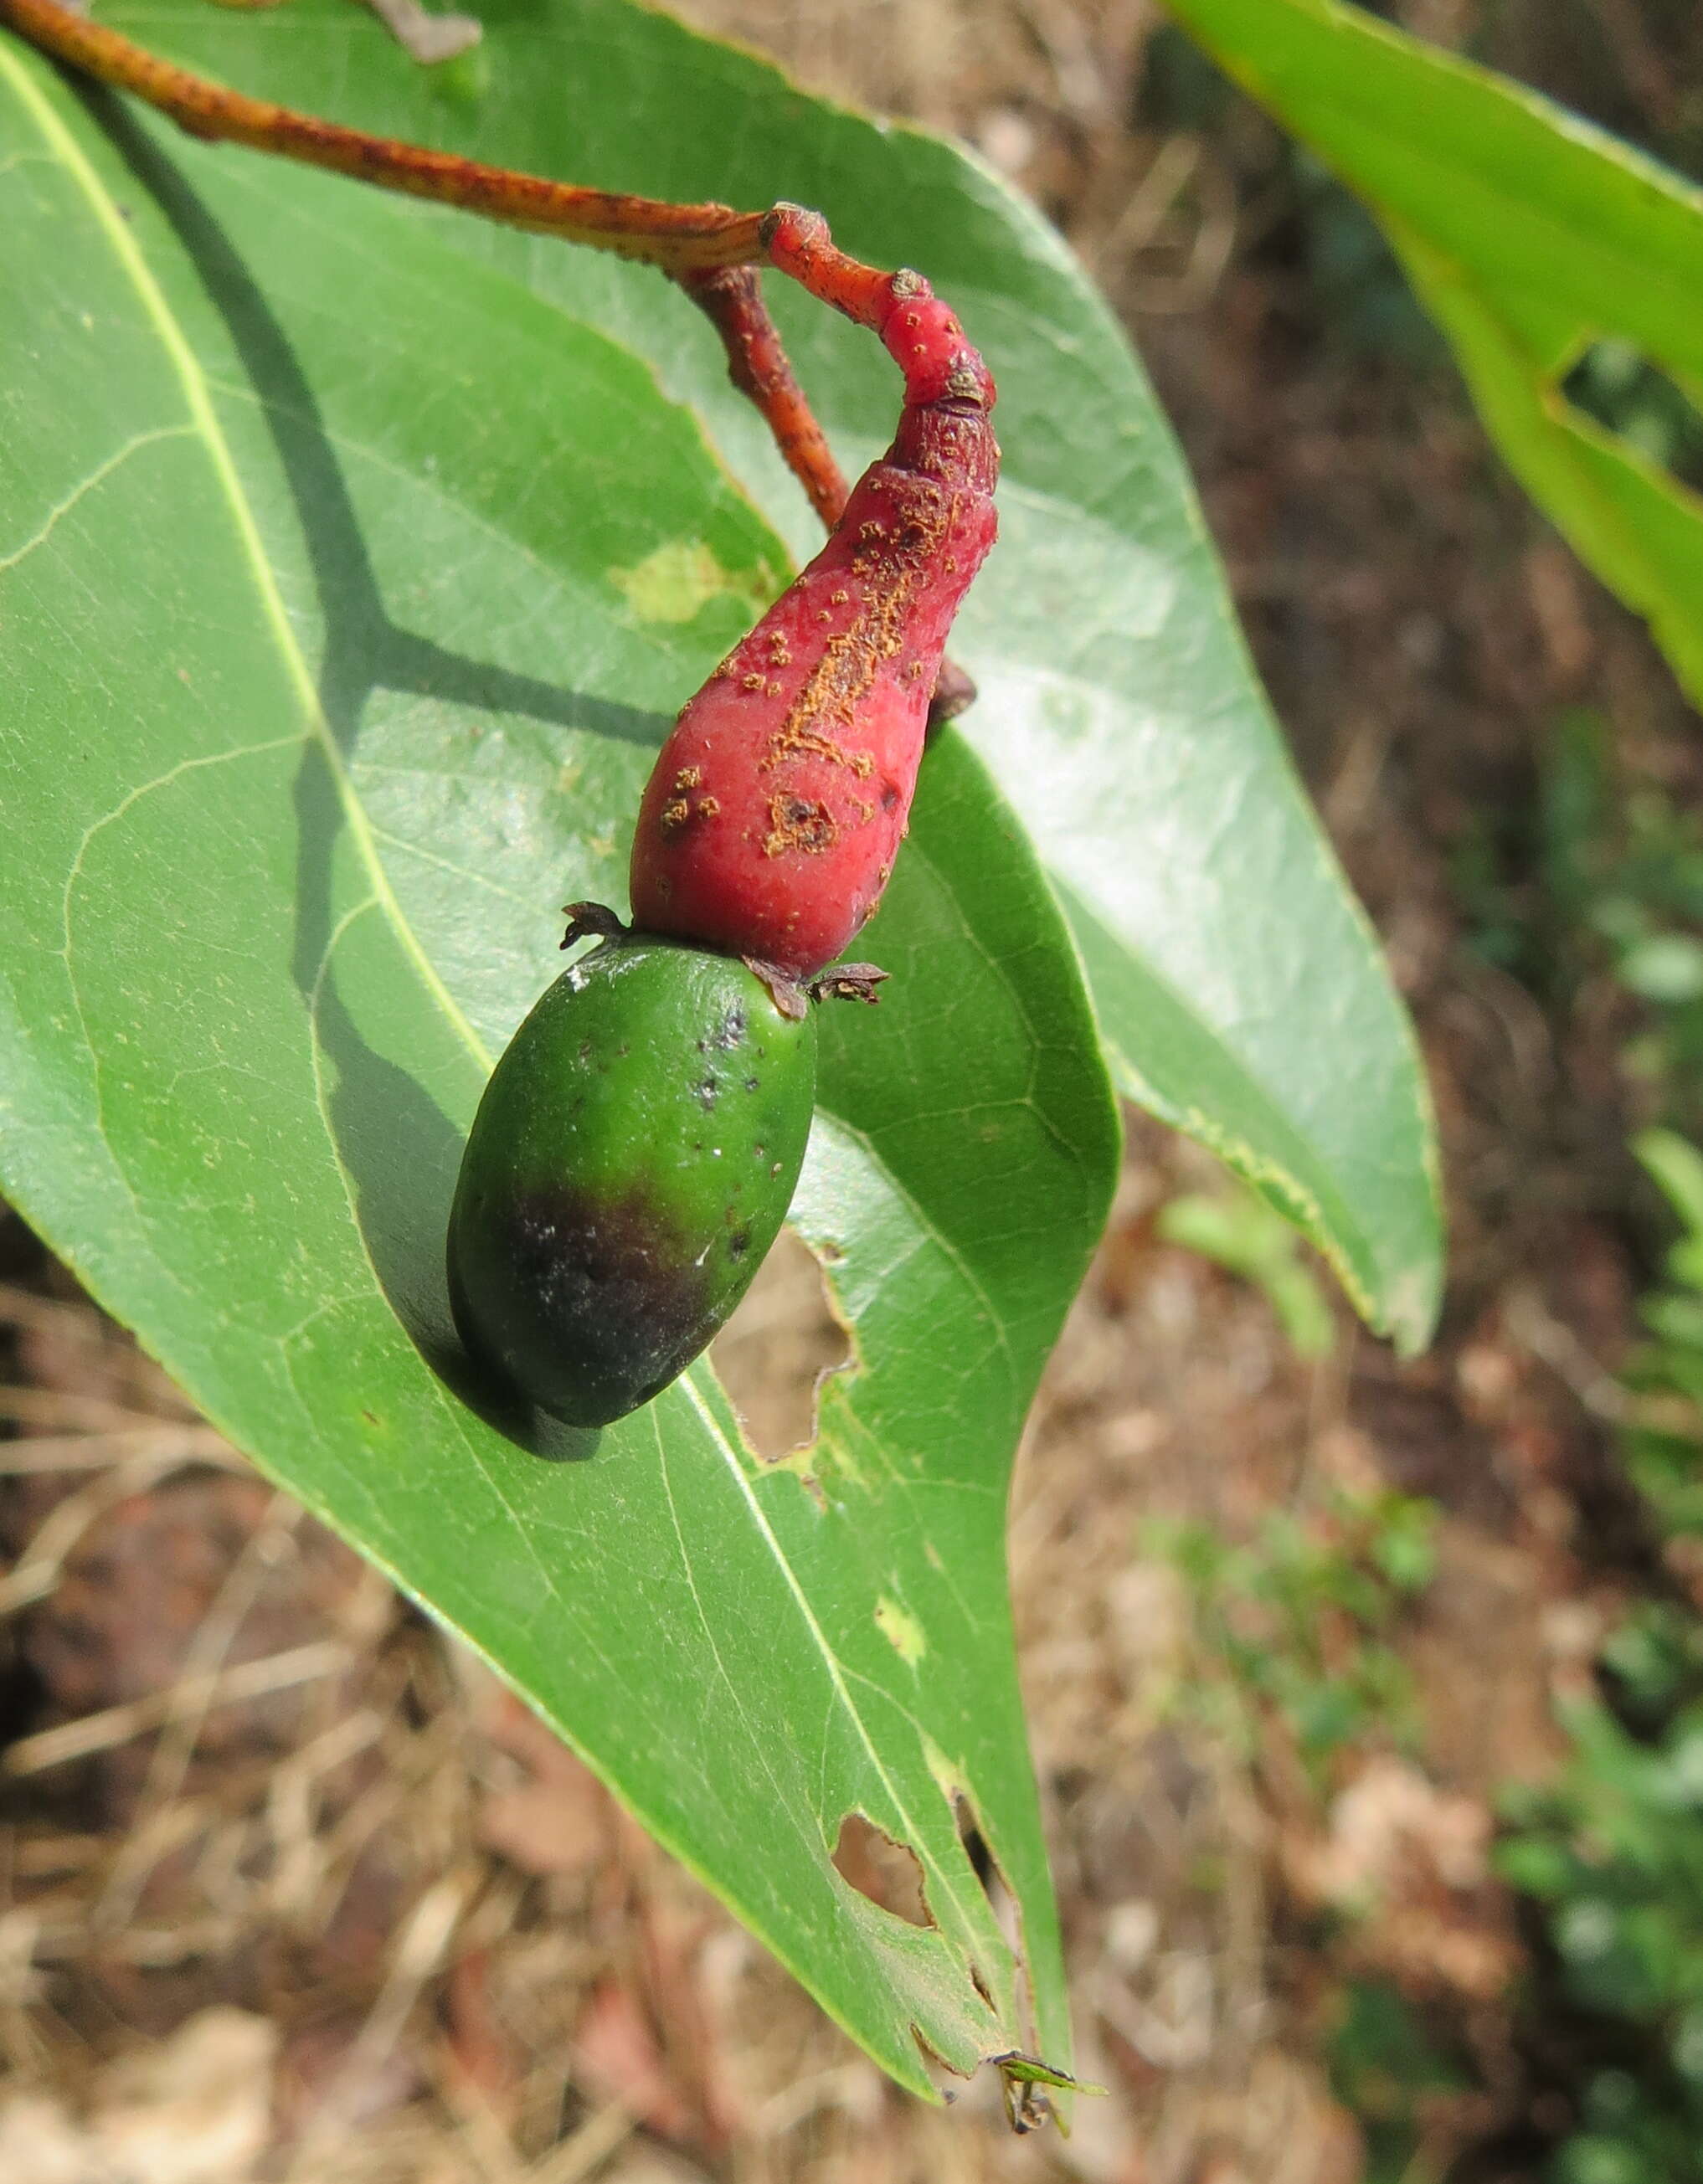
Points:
(1008, 1912)
(783, 1342)
(981, 1857)
(1616, 386)
(888, 1873)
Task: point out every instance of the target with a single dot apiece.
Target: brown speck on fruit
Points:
(779, 650)
(889, 796)
(798, 823)
(675, 814)
(872, 531)
(708, 806)
(839, 598)
(916, 671)
(752, 682)
(689, 776)
(822, 614)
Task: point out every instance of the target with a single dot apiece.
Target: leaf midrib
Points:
(837, 1669)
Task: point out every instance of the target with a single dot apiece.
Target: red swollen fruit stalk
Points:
(771, 822)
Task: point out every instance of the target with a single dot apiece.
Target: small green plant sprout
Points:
(1597, 880)
(1663, 1443)
(1299, 1621)
(1623, 871)
(1386, 2067)
(1238, 1231)
(1613, 1853)
(1676, 1167)
(1611, 1850)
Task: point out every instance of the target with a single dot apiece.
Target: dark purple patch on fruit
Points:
(591, 1305)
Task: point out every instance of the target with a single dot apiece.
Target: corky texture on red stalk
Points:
(771, 822)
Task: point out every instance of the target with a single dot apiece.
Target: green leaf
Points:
(329, 679)
(1530, 235)
(1239, 992)
(1676, 1166)
(1241, 1233)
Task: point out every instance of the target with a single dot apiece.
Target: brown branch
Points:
(710, 250)
(678, 238)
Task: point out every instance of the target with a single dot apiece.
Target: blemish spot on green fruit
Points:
(609, 1214)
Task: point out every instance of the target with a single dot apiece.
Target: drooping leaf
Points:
(1532, 238)
(347, 588)
(1239, 992)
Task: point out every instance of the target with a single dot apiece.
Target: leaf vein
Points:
(837, 1672)
(96, 478)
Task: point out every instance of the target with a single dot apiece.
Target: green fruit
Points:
(633, 1157)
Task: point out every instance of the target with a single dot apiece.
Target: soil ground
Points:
(361, 1919)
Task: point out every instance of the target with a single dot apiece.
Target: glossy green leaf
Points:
(1530, 235)
(1239, 992)
(347, 589)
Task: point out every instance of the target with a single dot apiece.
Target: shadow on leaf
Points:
(399, 1151)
